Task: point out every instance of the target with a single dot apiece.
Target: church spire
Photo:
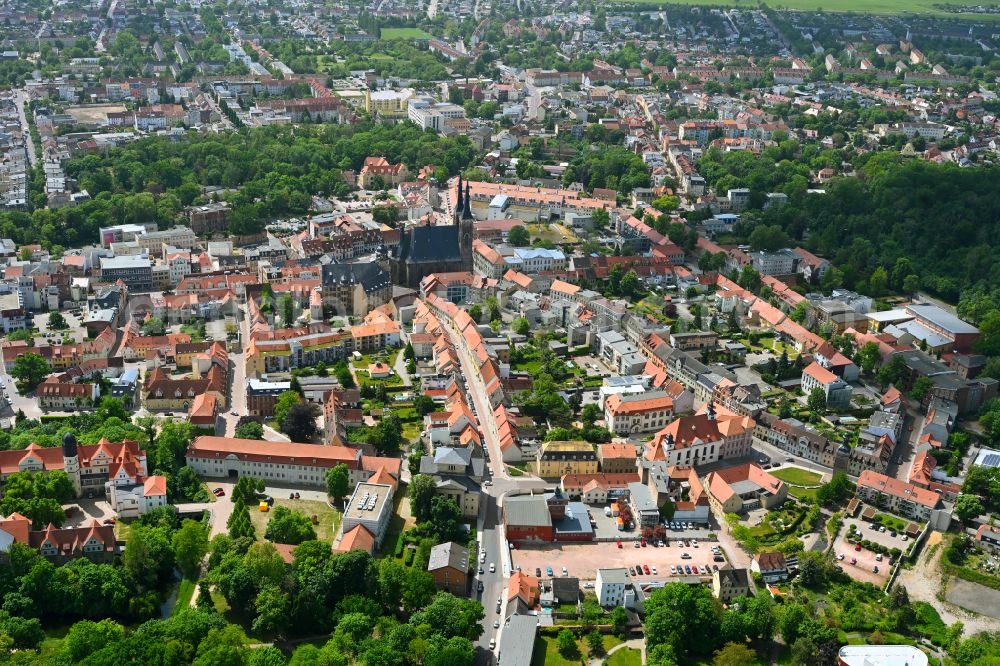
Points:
(467, 210)
(458, 201)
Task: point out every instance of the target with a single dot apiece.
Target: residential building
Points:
(617, 458)
(263, 395)
(523, 592)
(554, 459)
(627, 414)
(771, 567)
(457, 472)
(94, 541)
(596, 489)
(904, 499)
(66, 396)
(134, 500)
(988, 537)
(610, 586)
(836, 391)
(449, 565)
(744, 488)
(729, 584)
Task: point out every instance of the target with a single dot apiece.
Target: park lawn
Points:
(404, 33)
(625, 657)
(329, 518)
(797, 476)
(884, 7)
(53, 641)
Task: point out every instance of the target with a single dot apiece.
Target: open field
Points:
(886, 7)
(329, 518)
(404, 33)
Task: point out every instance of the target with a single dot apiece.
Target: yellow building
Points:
(555, 459)
(388, 103)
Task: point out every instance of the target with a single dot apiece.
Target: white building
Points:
(611, 584)
(881, 655)
(535, 260)
(429, 114)
(370, 506)
(132, 501)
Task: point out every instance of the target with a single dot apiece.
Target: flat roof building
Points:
(371, 507)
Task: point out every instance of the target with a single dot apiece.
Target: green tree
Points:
(57, 322)
(250, 430)
(284, 403)
(338, 482)
(86, 637)
(300, 423)
(817, 399)
(968, 507)
(29, 370)
(878, 282)
(154, 326)
(734, 654)
(595, 643)
(239, 524)
(920, 388)
(421, 491)
(149, 555)
(288, 526)
(600, 218)
(629, 284)
(287, 306)
(518, 236)
(684, 619)
(521, 326)
(768, 238)
(566, 644)
(190, 544)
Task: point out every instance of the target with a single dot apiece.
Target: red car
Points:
(645, 568)
(857, 546)
(694, 569)
(619, 543)
(643, 543)
(219, 492)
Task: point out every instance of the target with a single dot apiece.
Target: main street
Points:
(490, 523)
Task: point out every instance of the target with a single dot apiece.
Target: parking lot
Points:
(583, 560)
(606, 527)
(863, 569)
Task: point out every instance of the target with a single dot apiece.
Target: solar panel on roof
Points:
(991, 460)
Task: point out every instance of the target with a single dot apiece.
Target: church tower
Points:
(465, 228)
(71, 461)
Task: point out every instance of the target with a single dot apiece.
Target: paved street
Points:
(489, 524)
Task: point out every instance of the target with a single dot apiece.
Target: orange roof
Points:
(618, 405)
(155, 486)
(820, 374)
(524, 586)
(719, 482)
(619, 450)
(357, 538)
(253, 450)
(897, 488)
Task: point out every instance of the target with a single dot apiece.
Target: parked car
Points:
(565, 571)
(493, 567)
(548, 570)
(875, 569)
(673, 570)
(654, 570)
(857, 546)
(694, 568)
(645, 569)
(687, 568)
(538, 572)
(878, 558)
(219, 492)
(619, 543)
(854, 560)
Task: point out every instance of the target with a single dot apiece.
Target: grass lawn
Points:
(53, 641)
(547, 653)
(797, 476)
(186, 590)
(804, 494)
(329, 518)
(625, 657)
(884, 7)
(404, 33)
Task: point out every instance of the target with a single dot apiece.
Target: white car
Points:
(493, 568)
(493, 643)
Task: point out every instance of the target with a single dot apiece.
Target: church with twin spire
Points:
(426, 248)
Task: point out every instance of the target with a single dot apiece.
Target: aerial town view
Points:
(500, 332)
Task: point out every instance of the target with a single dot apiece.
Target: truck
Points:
(621, 524)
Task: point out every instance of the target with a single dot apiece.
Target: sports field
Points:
(404, 33)
(887, 7)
